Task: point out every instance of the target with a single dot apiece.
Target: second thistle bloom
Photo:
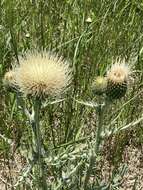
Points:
(42, 74)
(117, 80)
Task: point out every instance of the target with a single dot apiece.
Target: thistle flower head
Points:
(117, 80)
(9, 79)
(119, 72)
(41, 74)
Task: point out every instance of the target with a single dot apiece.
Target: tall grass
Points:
(68, 127)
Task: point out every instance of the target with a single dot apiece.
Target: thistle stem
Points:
(36, 128)
(38, 143)
(99, 128)
(95, 152)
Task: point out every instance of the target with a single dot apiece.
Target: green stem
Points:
(37, 133)
(38, 143)
(95, 152)
(99, 129)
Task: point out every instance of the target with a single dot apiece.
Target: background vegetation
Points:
(90, 34)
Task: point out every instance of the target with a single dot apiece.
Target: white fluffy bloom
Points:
(119, 72)
(41, 74)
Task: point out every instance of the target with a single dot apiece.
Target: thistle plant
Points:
(108, 89)
(37, 77)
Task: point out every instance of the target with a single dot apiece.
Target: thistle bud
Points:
(9, 80)
(99, 85)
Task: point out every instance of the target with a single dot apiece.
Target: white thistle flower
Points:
(42, 74)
